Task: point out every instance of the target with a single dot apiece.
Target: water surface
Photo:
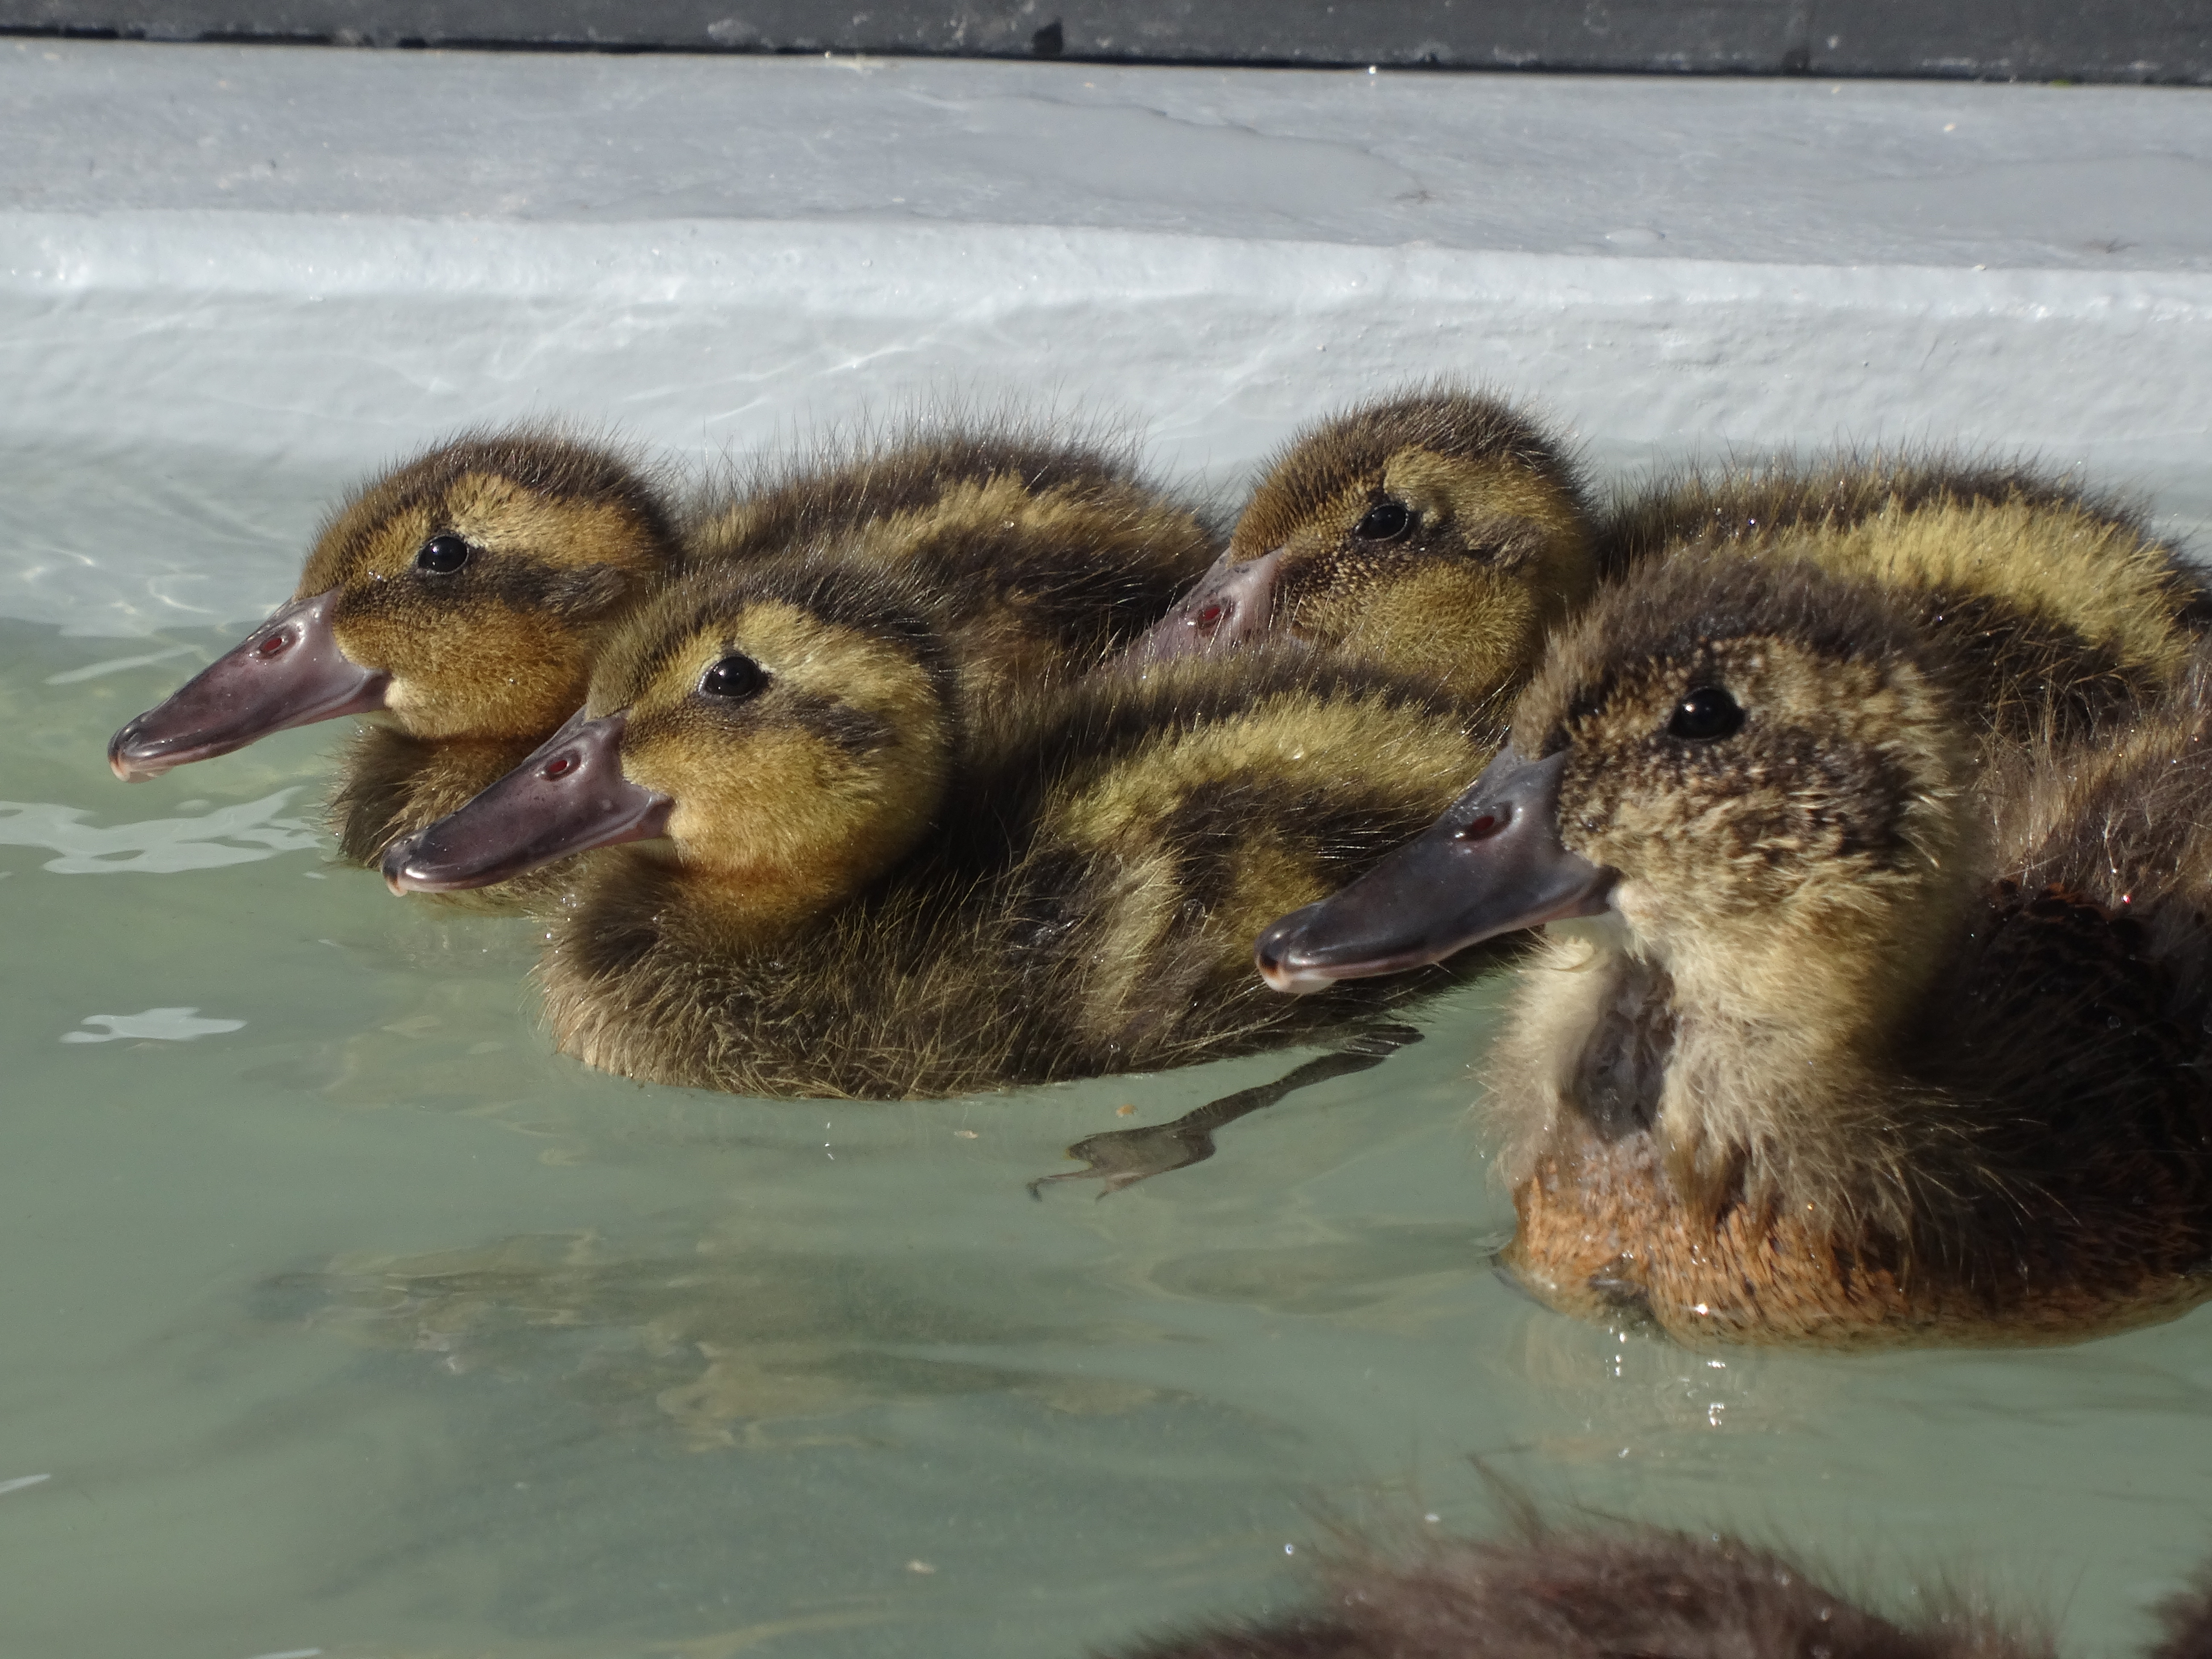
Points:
(342, 1314)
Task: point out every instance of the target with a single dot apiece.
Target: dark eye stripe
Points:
(855, 731)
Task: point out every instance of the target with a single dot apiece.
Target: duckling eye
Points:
(736, 676)
(1706, 714)
(1385, 522)
(441, 555)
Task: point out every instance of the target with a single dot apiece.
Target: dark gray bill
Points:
(1492, 865)
(1231, 606)
(569, 795)
(289, 672)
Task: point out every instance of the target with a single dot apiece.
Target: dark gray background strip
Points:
(2117, 41)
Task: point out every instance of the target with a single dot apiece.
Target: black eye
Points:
(441, 555)
(1707, 714)
(1385, 522)
(736, 676)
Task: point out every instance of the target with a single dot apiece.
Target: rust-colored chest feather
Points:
(2069, 1056)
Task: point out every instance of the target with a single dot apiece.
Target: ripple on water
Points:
(230, 835)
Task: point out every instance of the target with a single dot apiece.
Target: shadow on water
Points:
(761, 1349)
(1122, 1157)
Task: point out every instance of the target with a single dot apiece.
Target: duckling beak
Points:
(1231, 606)
(289, 672)
(569, 795)
(1492, 865)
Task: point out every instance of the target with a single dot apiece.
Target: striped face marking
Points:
(804, 756)
(481, 578)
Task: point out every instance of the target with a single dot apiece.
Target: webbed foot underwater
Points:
(1122, 1157)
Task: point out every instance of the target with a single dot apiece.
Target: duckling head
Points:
(781, 734)
(1753, 772)
(1441, 532)
(463, 593)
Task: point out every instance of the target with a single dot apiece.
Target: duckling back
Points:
(1043, 554)
(1178, 808)
(2073, 615)
(2085, 987)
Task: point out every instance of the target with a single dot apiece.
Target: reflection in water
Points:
(157, 1025)
(759, 1350)
(157, 846)
(1379, 1276)
(115, 665)
(1122, 1157)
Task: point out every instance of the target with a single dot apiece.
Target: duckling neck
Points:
(1832, 1003)
(735, 906)
(1832, 973)
(1737, 1054)
(396, 783)
(659, 970)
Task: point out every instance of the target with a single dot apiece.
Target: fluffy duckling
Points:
(852, 880)
(1602, 1594)
(1859, 1039)
(464, 595)
(1439, 533)
(1446, 533)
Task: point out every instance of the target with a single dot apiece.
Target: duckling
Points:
(852, 880)
(1601, 1594)
(1842, 1033)
(461, 596)
(464, 595)
(1440, 532)
(1447, 533)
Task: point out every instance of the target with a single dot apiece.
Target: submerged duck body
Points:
(1601, 1594)
(1873, 1029)
(463, 597)
(874, 884)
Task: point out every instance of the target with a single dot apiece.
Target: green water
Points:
(341, 1314)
